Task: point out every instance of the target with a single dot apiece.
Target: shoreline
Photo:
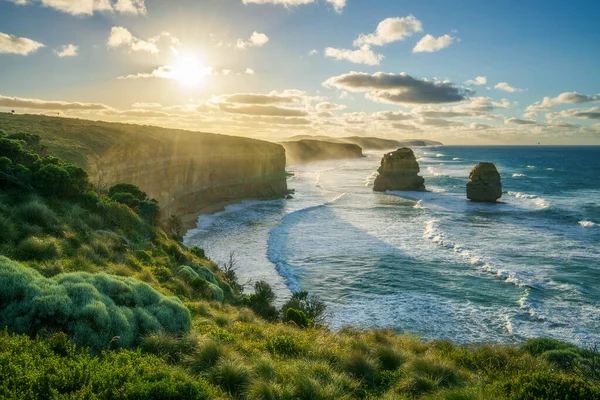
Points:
(190, 221)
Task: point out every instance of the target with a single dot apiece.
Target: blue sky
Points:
(186, 64)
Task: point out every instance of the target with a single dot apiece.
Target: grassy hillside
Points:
(99, 299)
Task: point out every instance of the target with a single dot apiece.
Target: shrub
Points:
(261, 302)
(297, 317)
(207, 274)
(284, 345)
(361, 366)
(163, 274)
(128, 188)
(206, 357)
(169, 347)
(389, 358)
(536, 347)
(150, 212)
(96, 310)
(8, 231)
(548, 386)
(37, 213)
(313, 307)
(198, 252)
(36, 248)
(445, 375)
(216, 292)
(562, 359)
(417, 385)
(263, 390)
(187, 273)
(54, 180)
(232, 376)
(128, 199)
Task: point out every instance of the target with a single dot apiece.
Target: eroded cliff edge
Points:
(185, 171)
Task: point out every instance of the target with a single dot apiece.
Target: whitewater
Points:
(432, 264)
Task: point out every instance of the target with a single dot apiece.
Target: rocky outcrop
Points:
(484, 184)
(185, 171)
(399, 170)
(305, 151)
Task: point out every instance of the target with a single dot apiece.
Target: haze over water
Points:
(433, 263)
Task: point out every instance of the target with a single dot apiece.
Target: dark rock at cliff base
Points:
(484, 185)
(399, 170)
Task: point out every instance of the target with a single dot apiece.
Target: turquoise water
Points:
(433, 264)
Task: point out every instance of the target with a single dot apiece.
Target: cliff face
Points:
(185, 171)
(304, 151)
(371, 143)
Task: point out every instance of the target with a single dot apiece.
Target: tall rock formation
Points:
(484, 184)
(399, 170)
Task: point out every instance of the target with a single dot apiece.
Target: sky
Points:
(458, 71)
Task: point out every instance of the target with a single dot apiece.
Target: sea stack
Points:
(399, 170)
(484, 184)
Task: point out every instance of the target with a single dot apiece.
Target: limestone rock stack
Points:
(484, 183)
(399, 170)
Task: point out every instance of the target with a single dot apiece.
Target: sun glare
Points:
(189, 71)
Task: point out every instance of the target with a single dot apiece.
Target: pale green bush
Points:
(96, 310)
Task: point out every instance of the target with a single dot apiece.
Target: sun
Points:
(189, 71)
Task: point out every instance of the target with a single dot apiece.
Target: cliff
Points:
(185, 171)
(371, 143)
(304, 151)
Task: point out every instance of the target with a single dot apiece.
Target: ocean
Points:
(432, 264)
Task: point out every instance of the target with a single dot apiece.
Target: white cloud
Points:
(17, 45)
(478, 81)
(364, 55)
(519, 121)
(249, 71)
(18, 102)
(338, 5)
(121, 37)
(313, 52)
(255, 40)
(391, 30)
(430, 44)
(581, 113)
(68, 50)
(329, 106)
(133, 7)
(282, 2)
(88, 7)
(568, 97)
(506, 87)
(167, 72)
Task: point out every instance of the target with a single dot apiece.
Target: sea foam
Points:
(539, 201)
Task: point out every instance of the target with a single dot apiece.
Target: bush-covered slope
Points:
(100, 300)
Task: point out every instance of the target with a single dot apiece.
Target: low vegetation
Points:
(99, 299)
